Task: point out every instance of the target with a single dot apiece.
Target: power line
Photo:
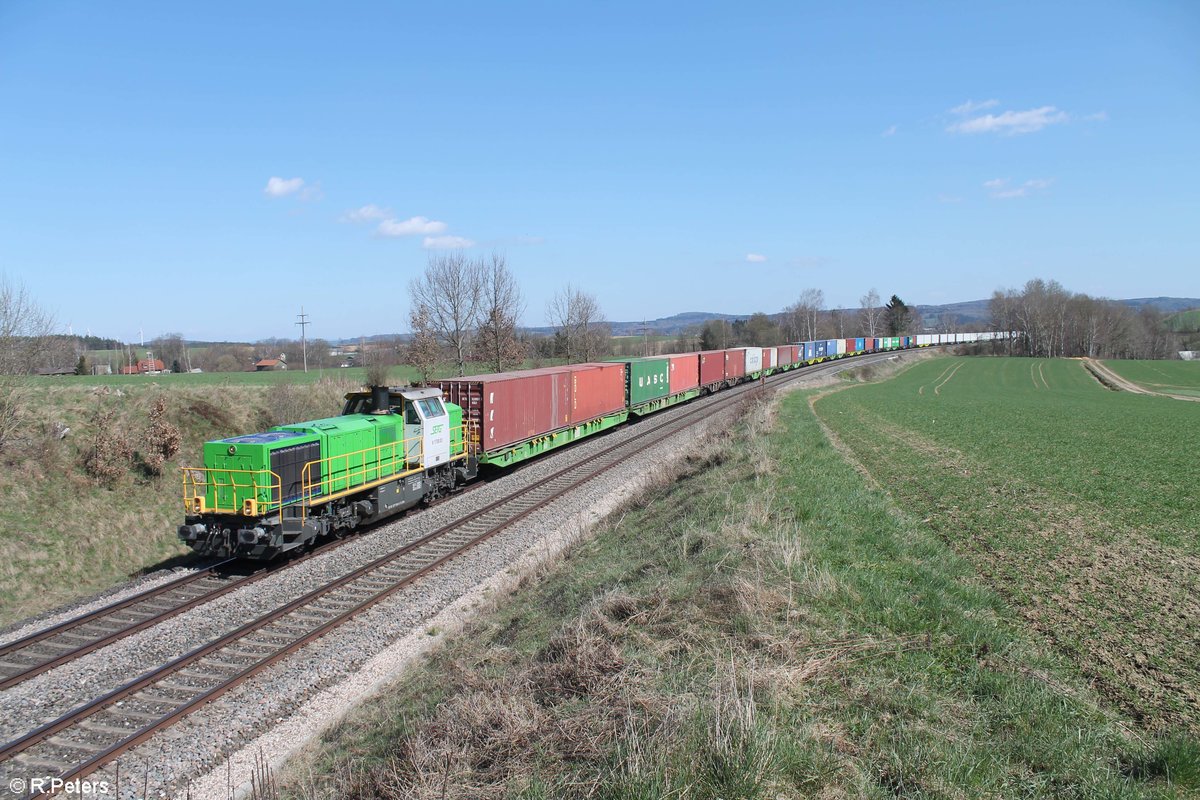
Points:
(303, 323)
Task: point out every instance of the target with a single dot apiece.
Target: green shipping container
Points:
(646, 379)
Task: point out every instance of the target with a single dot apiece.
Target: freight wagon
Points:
(518, 415)
(266, 494)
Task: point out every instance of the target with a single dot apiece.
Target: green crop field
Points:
(1185, 320)
(1171, 377)
(271, 378)
(763, 623)
(1074, 502)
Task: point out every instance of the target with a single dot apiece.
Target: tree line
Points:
(1051, 321)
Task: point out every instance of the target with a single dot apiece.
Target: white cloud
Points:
(368, 213)
(413, 226)
(891, 131)
(971, 106)
(1099, 116)
(282, 187)
(1003, 189)
(446, 243)
(755, 258)
(1011, 122)
(949, 198)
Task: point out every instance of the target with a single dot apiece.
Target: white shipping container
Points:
(754, 359)
(841, 347)
(924, 339)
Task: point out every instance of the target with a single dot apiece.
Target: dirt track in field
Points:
(1119, 604)
(1110, 378)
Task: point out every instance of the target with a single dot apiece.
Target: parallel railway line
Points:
(99, 731)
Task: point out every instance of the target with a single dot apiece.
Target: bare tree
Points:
(500, 307)
(872, 312)
(450, 294)
(803, 317)
(582, 332)
(424, 351)
(24, 333)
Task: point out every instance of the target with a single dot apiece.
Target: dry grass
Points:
(750, 632)
(81, 511)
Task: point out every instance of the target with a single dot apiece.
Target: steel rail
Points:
(587, 469)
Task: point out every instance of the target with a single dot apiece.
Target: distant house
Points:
(269, 364)
(56, 371)
(145, 366)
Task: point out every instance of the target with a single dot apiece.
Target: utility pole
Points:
(304, 323)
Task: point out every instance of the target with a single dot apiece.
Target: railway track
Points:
(43, 650)
(97, 732)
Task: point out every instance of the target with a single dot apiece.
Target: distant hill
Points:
(965, 313)
(970, 312)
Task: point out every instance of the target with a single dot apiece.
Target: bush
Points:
(108, 453)
(162, 438)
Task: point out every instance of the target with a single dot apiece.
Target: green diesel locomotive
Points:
(264, 494)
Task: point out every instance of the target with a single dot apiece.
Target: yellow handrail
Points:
(197, 480)
(355, 477)
(389, 461)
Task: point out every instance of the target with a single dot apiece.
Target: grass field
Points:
(1073, 502)
(350, 374)
(764, 624)
(1170, 377)
(397, 375)
(1185, 320)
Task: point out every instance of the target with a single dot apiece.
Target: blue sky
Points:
(210, 168)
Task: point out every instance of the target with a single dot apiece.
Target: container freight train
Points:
(262, 495)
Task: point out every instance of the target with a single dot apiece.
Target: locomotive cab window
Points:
(411, 417)
(432, 407)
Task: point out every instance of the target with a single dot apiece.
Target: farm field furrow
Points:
(762, 623)
(1170, 377)
(1070, 500)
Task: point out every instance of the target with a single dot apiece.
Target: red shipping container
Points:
(596, 390)
(735, 363)
(795, 348)
(712, 367)
(770, 358)
(684, 372)
(510, 407)
(851, 346)
(785, 355)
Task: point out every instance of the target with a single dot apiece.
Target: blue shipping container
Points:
(819, 348)
(860, 344)
(831, 347)
(810, 351)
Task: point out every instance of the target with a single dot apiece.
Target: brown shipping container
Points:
(684, 372)
(783, 355)
(735, 363)
(597, 389)
(770, 357)
(712, 367)
(851, 346)
(794, 350)
(510, 407)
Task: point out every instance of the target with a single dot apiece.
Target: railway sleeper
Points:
(69, 744)
(31, 759)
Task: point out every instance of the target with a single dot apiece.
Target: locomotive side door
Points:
(426, 428)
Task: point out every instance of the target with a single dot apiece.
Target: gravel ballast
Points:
(274, 713)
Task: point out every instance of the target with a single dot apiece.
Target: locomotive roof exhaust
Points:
(381, 400)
